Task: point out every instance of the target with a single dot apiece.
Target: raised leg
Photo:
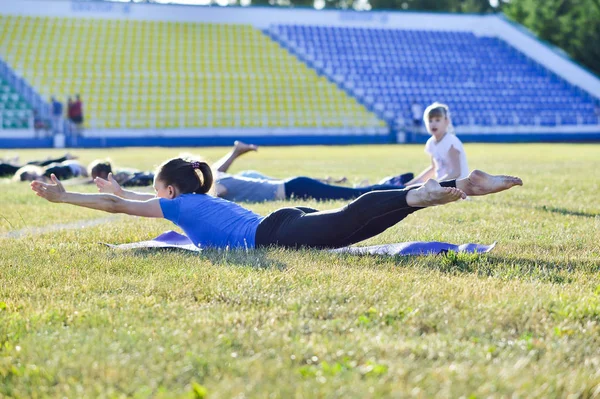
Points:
(239, 148)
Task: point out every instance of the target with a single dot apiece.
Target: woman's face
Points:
(164, 191)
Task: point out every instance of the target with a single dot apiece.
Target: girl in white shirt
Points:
(448, 158)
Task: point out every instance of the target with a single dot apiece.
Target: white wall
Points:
(260, 17)
(488, 25)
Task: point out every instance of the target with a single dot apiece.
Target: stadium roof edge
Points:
(557, 50)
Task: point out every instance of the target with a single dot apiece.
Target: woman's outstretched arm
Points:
(55, 192)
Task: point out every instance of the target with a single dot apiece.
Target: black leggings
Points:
(7, 169)
(61, 172)
(368, 215)
(47, 161)
(305, 187)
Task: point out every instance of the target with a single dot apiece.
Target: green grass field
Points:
(80, 320)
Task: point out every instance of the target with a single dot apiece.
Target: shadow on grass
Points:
(558, 272)
(566, 212)
(489, 265)
(553, 209)
(257, 259)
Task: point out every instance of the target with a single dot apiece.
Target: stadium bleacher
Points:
(485, 81)
(158, 75)
(15, 113)
(155, 74)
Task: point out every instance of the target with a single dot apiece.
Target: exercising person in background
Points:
(252, 186)
(68, 169)
(8, 167)
(127, 177)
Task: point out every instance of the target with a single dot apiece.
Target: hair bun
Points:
(177, 172)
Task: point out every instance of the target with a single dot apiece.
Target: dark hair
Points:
(187, 176)
(437, 112)
(99, 167)
(28, 172)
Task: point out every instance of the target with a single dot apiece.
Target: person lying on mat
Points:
(182, 188)
(252, 186)
(102, 168)
(8, 167)
(63, 170)
(241, 148)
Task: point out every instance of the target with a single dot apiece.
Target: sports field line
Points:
(57, 227)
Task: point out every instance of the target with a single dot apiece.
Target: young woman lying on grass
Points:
(182, 197)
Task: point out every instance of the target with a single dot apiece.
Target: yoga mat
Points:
(415, 248)
(169, 239)
(172, 239)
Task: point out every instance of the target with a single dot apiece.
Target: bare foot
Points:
(481, 183)
(239, 147)
(432, 194)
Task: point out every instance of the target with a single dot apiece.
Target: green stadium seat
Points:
(230, 74)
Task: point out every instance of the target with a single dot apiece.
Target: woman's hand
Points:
(53, 192)
(109, 186)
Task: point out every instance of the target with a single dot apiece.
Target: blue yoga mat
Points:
(172, 239)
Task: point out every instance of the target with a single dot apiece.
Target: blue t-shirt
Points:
(212, 222)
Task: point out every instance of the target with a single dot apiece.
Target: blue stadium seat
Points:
(483, 79)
